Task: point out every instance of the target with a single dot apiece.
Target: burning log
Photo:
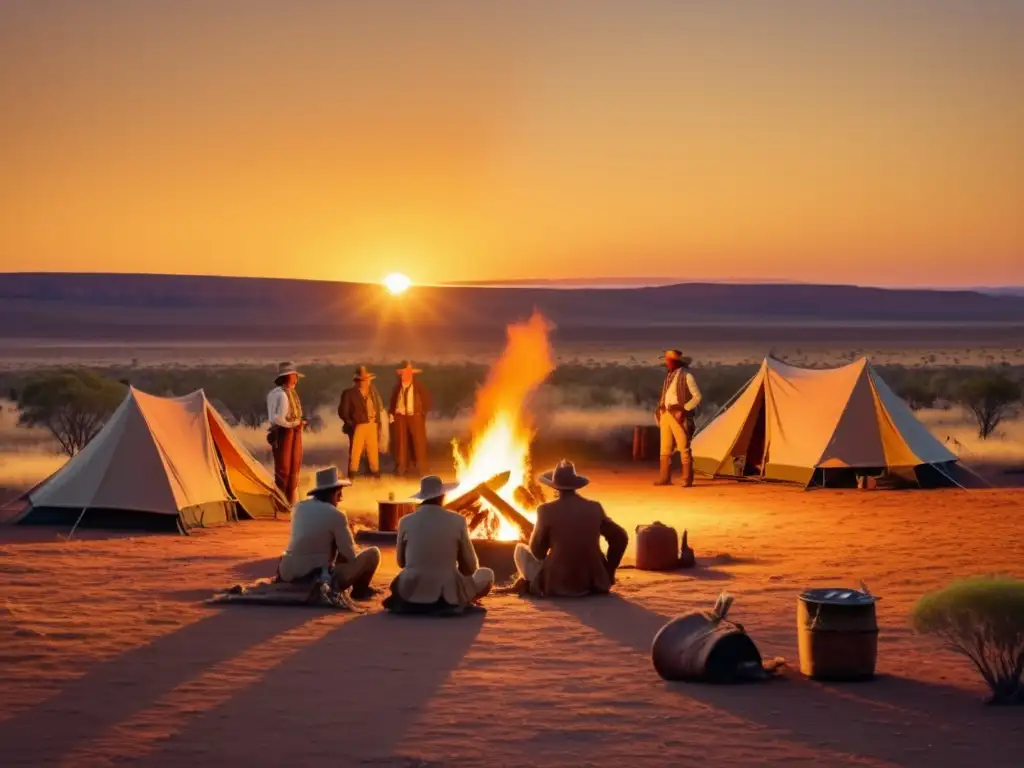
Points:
(507, 510)
(468, 499)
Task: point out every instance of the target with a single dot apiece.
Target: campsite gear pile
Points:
(658, 548)
(837, 633)
(159, 463)
(704, 646)
(823, 427)
(309, 593)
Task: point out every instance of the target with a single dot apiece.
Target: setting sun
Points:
(397, 283)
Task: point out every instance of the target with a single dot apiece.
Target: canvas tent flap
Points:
(712, 448)
(248, 480)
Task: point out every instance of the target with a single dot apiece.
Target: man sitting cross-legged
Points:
(321, 542)
(439, 565)
(564, 557)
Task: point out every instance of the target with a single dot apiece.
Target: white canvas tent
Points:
(822, 427)
(158, 463)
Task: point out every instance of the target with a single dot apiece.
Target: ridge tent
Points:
(817, 426)
(159, 463)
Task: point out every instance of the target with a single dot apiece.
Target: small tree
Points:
(73, 405)
(982, 618)
(990, 398)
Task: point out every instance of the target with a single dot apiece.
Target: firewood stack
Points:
(481, 518)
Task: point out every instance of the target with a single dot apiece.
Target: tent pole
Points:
(75, 526)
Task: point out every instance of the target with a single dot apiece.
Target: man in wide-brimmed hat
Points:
(321, 543)
(564, 557)
(409, 405)
(679, 399)
(364, 419)
(440, 572)
(285, 434)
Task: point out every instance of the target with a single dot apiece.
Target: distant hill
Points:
(98, 306)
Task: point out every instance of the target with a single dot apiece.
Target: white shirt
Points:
(406, 402)
(277, 409)
(672, 393)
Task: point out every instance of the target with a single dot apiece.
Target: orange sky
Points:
(864, 142)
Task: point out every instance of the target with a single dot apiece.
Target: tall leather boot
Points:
(687, 473)
(665, 478)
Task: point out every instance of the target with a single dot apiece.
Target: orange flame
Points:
(501, 427)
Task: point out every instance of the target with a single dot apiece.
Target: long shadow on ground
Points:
(316, 706)
(936, 725)
(114, 690)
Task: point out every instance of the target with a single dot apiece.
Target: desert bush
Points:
(73, 405)
(990, 398)
(982, 618)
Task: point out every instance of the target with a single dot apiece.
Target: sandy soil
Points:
(108, 655)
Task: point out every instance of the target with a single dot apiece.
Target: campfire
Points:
(496, 492)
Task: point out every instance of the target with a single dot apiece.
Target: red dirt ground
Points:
(108, 655)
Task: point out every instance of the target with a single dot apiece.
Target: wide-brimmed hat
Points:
(564, 477)
(431, 487)
(675, 354)
(328, 480)
(287, 369)
(363, 375)
(408, 368)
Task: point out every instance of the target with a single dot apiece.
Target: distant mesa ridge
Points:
(111, 305)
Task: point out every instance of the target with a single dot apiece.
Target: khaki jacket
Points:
(436, 556)
(319, 533)
(567, 538)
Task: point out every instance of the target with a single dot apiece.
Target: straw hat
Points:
(364, 375)
(328, 480)
(431, 487)
(408, 368)
(286, 369)
(564, 477)
(675, 354)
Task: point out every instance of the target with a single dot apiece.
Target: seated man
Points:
(439, 565)
(321, 542)
(564, 557)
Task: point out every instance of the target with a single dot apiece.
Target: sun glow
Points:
(397, 283)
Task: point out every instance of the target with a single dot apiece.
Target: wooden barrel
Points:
(657, 547)
(694, 647)
(837, 633)
(646, 443)
(389, 513)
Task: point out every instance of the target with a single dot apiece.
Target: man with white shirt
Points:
(680, 397)
(410, 402)
(285, 435)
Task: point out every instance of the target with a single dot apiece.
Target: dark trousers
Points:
(409, 444)
(288, 461)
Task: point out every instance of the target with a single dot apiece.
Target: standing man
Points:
(363, 416)
(410, 402)
(680, 396)
(285, 434)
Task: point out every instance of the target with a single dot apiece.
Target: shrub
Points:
(73, 405)
(982, 618)
(990, 398)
